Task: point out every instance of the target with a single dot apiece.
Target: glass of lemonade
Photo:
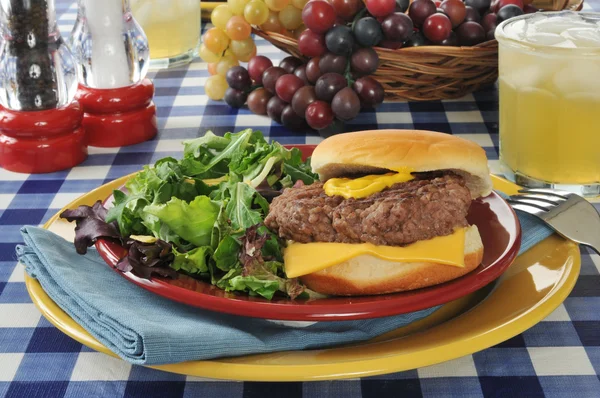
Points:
(549, 82)
(172, 28)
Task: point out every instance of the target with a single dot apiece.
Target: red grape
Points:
(291, 120)
(402, 5)
(347, 9)
(397, 27)
(491, 35)
(235, 98)
(530, 9)
(331, 63)
(256, 67)
(472, 15)
(328, 85)
(381, 8)
(452, 40)
(393, 45)
(289, 64)
(455, 10)
(369, 90)
(345, 104)
(419, 10)
(437, 27)
(508, 11)
(489, 22)
(275, 107)
(270, 76)
(238, 78)
(334, 128)
(480, 5)
(312, 70)
(311, 44)
(319, 115)
(339, 40)
(502, 3)
(301, 73)
(257, 101)
(417, 39)
(368, 31)
(287, 85)
(318, 16)
(302, 99)
(364, 61)
(470, 33)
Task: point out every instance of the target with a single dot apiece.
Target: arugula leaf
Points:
(239, 208)
(226, 255)
(208, 140)
(124, 213)
(193, 222)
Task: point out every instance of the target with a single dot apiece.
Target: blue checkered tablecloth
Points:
(559, 357)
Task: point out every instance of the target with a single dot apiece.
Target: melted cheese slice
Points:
(306, 258)
(364, 186)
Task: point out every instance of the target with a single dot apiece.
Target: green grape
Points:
(276, 5)
(237, 6)
(272, 23)
(299, 4)
(228, 61)
(242, 48)
(215, 87)
(290, 17)
(256, 12)
(216, 40)
(220, 16)
(207, 55)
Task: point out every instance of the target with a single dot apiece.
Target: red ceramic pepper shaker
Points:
(112, 56)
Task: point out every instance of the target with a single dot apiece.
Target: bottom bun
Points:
(366, 274)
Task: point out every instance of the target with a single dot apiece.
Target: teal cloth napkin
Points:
(143, 328)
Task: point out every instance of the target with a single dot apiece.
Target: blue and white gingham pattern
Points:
(559, 357)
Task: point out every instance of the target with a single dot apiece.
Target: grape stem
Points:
(358, 16)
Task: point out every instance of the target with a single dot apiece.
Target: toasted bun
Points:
(366, 274)
(370, 152)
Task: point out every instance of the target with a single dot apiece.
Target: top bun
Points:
(375, 151)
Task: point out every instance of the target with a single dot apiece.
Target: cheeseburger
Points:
(388, 215)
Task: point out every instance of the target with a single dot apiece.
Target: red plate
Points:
(500, 232)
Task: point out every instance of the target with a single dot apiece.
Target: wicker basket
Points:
(431, 72)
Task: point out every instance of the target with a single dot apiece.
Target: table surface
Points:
(559, 357)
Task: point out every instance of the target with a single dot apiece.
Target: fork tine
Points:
(526, 208)
(542, 191)
(529, 202)
(540, 198)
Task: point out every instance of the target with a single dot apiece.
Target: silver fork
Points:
(570, 215)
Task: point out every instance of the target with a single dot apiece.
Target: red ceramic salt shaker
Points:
(112, 55)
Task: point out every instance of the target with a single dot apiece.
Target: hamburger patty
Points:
(428, 206)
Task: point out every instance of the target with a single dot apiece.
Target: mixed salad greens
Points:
(202, 215)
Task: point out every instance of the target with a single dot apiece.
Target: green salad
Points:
(202, 215)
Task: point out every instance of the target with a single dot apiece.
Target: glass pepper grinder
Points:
(40, 123)
(112, 56)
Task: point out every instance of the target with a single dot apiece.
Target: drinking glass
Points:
(549, 68)
(172, 28)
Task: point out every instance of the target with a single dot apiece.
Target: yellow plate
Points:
(527, 292)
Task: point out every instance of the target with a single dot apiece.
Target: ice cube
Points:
(583, 37)
(528, 76)
(545, 39)
(516, 30)
(559, 22)
(575, 78)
